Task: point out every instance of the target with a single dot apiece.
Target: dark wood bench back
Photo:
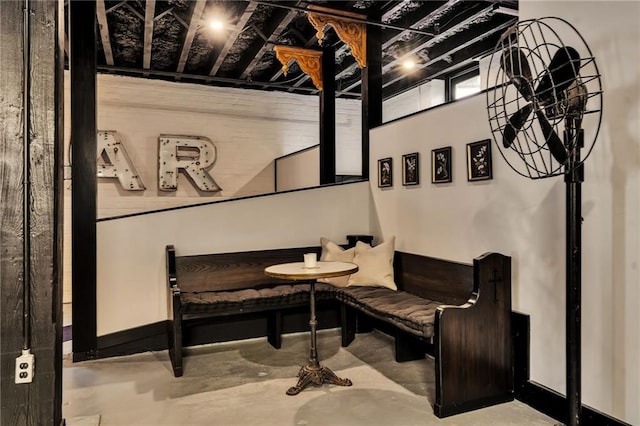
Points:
(434, 279)
(233, 271)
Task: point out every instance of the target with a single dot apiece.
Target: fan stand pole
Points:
(573, 180)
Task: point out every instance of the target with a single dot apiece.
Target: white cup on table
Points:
(310, 260)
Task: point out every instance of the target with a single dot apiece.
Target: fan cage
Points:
(577, 109)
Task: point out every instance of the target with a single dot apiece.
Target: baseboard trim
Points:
(554, 405)
(153, 337)
(538, 396)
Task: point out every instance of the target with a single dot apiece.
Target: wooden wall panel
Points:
(14, 399)
(40, 401)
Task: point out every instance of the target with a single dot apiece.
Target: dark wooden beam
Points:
(371, 90)
(30, 248)
(82, 66)
(328, 118)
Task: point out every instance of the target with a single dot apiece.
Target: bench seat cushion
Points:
(404, 310)
(248, 300)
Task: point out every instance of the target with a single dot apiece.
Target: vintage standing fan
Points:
(545, 109)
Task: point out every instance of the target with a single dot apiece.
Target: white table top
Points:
(297, 271)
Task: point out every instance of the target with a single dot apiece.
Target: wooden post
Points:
(371, 89)
(30, 136)
(82, 66)
(328, 118)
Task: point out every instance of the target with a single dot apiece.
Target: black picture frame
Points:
(411, 169)
(441, 170)
(479, 160)
(385, 172)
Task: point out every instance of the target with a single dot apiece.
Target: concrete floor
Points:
(244, 383)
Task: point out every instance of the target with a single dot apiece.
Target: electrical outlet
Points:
(24, 367)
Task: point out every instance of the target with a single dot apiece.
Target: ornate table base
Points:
(313, 372)
(317, 375)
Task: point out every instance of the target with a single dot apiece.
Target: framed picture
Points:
(411, 169)
(385, 172)
(479, 160)
(441, 165)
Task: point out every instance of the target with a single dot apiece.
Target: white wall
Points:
(298, 170)
(131, 281)
(249, 128)
(526, 219)
(417, 99)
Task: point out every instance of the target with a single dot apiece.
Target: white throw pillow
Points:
(375, 265)
(333, 252)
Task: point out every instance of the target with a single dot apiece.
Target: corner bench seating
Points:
(462, 310)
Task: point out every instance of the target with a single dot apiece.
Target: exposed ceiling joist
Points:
(242, 22)
(196, 18)
(441, 34)
(149, 14)
(101, 16)
(274, 34)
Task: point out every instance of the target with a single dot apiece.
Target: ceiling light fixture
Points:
(216, 25)
(408, 64)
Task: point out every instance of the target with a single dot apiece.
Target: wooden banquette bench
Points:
(462, 312)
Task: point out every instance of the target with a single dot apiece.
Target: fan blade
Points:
(562, 71)
(556, 147)
(516, 121)
(516, 66)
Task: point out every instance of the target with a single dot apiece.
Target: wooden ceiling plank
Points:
(149, 14)
(101, 15)
(242, 22)
(196, 18)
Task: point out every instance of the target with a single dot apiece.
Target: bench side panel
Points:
(474, 355)
(434, 279)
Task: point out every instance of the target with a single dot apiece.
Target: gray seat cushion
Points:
(404, 310)
(247, 300)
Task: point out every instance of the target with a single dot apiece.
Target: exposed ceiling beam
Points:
(450, 52)
(422, 22)
(196, 18)
(416, 25)
(149, 14)
(101, 15)
(398, 6)
(275, 33)
(116, 6)
(303, 8)
(134, 11)
(242, 22)
(208, 78)
(438, 38)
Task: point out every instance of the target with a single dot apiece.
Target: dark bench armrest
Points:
(172, 278)
(473, 342)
